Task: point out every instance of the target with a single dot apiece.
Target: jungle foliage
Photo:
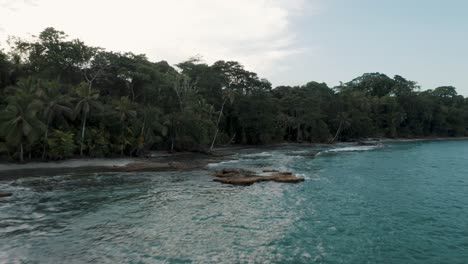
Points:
(61, 98)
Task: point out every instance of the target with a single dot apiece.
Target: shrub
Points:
(61, 145)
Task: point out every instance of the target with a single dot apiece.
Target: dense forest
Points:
(62, 98)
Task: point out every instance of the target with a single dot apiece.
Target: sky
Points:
(289, 42)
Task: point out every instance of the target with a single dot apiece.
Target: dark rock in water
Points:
(233, 172)
(287, 177)
(245, 177)
(236, 170)
(270, 170)
(5, 194)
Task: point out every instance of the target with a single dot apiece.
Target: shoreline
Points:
(166, 162)
(162, 161)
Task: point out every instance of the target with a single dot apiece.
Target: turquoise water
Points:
(400, 203)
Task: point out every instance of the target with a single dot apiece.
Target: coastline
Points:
(169, 162)
(384, 139)
(162, 161)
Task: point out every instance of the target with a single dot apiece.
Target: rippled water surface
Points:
(400, 203)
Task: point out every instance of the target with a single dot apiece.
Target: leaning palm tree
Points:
(19, 123)
(344, 122)
(55, 105)
(87, 101)
(228, 95)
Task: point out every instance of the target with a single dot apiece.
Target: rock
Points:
(237, 176)
(234, 172)
(289, 179)
(5, 194)
(285, 173)
(240, 180)
(270, 170)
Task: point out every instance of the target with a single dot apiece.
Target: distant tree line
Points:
(61, 98)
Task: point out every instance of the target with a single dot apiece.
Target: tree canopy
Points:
(61, 98)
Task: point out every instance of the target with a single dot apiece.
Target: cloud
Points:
(15, 5)
(258, 33)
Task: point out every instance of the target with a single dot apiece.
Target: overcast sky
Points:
(286, 41)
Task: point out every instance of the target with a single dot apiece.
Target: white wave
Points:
(258, 155)
(351, 149)
(222, 163)
(299, 151)
(303, 176)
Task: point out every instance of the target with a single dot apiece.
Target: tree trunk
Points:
(21, 153)
(337, 132)
(232, 139)
(141, 147)
(46, 138)
(83, 134)
(217, 126)
(90, 86)
(130, 87)
(122, 144)
(298, 134)
(45, 143)
(172, 144)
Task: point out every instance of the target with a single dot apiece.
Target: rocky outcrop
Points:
(238, 176)
(271, 171)
(234, 173)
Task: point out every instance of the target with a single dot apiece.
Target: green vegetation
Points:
(61, 98)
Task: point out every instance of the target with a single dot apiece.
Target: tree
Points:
(19, 122)
(6, 69)
(126, 110)
(229, 95)
(445, 92)
(152, 127)
(373, 84)
(55, 105)
(125, 104)
(190, 123)
(344, 122)
(86, 104)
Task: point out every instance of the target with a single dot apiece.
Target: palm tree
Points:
(19, 122)
(228, 95)
(344, 122)
(87, 101)
(55, 105)
(125, 110)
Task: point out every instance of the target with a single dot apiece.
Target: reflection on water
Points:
(402, 203)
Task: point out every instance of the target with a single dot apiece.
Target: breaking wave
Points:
(351, 149)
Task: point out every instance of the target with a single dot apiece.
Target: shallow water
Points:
(401, 203)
